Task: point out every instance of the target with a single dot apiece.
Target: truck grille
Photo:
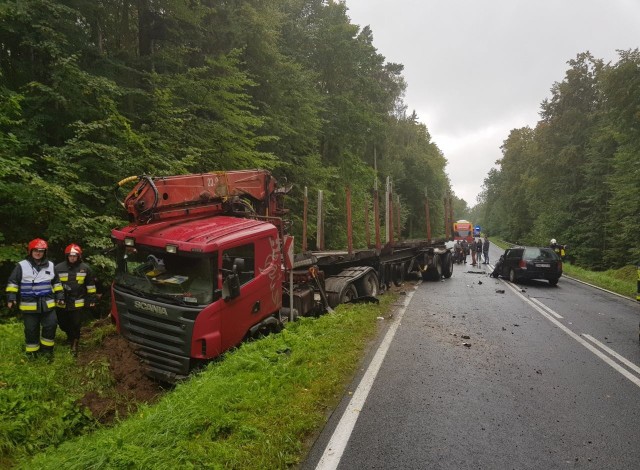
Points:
(163, 343)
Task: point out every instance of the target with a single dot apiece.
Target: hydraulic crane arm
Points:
(248, 192)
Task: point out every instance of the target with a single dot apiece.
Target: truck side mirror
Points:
(231, 287)
(231, 284)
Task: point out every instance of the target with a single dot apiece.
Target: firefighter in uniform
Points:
(79, 292)
(35, 288)
(559, 249)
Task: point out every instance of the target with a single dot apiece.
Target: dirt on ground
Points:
(131, 386)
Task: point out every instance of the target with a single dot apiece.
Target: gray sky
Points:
(477, 69)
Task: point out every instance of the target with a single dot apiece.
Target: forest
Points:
(92, 92)
(575, 177)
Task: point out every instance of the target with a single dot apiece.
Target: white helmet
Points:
(553, 240)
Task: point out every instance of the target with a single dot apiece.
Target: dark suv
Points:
(530, 262)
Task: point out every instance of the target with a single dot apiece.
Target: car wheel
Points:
(512, 276)
(553, 282)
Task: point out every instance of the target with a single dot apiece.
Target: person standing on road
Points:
(485, 249)
(35, 288)
(472, 248)
(479, 250)
(79, 292)
(465, 250)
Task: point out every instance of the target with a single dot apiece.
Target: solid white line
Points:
(338, 442)
(578, 338)
(599, 288)
(548, 309)
(611, 352)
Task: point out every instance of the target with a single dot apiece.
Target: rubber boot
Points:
(31, 355)
(47, 353)
(74, 347)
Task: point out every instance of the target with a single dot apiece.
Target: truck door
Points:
(260, 287)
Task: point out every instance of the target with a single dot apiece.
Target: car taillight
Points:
(522, 264)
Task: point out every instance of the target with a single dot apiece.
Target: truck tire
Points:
(349, 294)
(434, 271)
(387, 272)
(370, 285)
(398, 274)
(447, 265)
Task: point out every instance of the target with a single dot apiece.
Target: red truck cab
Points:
(191, 289)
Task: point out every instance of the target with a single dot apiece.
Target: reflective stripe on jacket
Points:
(79, 284)
(35, 287)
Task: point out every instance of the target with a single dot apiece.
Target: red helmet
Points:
(37, 244)
(73, 249)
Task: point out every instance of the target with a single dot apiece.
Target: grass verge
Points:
(256, 408)
(622, 281)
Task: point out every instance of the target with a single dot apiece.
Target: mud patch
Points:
(130, 388)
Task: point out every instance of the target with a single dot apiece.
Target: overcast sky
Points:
(477, 69)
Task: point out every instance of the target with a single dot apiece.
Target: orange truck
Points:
(463, 230)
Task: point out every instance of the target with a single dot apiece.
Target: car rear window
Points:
(545, 254)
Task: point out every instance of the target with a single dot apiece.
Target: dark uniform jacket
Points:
(79, 284)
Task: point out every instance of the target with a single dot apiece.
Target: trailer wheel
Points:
(398, 274)
(447, 265)
(349, 294)
(370, 285)
(386, 275)
(434, 271)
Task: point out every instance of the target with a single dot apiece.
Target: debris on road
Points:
(499, 291)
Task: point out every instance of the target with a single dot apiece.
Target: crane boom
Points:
(249, 192)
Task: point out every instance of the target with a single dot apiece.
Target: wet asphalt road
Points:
(542, 383)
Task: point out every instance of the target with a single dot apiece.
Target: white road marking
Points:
(338, 442)
(611, 352)
(548, 309)
(578, 338)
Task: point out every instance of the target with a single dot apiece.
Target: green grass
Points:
(256, 408)
(38, 399)
(622, 281)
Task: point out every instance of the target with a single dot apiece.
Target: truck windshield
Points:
(170, 276)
